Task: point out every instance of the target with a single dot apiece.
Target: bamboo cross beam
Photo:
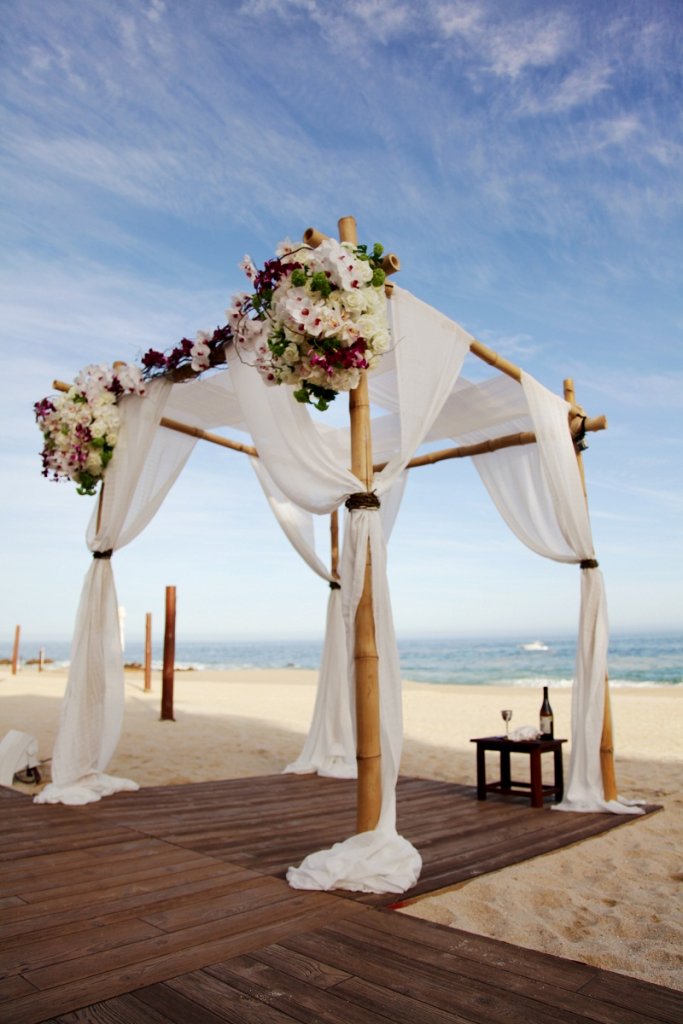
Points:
(494, 444)
(186, 428)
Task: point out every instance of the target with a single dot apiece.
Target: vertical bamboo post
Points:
(15, 649)
(169, 658)
(41, 658)
(148, 652)
(368, 750)
(334, 544)
(609, 778)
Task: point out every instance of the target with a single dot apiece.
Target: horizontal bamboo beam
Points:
(483, 447)
(463, 451)
(204, 435)
(488, 355)
(186, 428)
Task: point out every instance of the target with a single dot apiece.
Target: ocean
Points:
(634, 660)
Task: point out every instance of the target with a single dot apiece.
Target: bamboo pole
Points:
(488, 355)
(366, 660)
(334, 544)
(169, 657)
(148, 652)
(41, 659)
(15, 650)
(186, 428)
(609, 778)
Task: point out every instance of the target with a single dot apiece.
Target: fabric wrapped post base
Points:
(376, 861)
(86, 790)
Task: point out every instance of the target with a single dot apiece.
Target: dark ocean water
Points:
(634, 660)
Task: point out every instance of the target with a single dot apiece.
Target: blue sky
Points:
(522, 158)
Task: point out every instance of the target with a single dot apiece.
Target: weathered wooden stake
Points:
(609, 777)
(15, 649)
(148, 652)
(169, 658)
(41, 658)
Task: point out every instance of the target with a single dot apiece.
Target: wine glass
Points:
(506, 715)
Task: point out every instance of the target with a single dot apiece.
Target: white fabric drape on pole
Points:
(330, 746)
(141, 472)
(539, 493)
(429, 353)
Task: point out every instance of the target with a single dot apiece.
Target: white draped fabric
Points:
(418, 397)
(539, 493)
(330, 747)
(138, 479)
(305, 465)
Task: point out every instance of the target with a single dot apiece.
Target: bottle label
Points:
(546, 726)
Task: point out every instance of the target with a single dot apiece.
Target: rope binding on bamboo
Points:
(362, 499)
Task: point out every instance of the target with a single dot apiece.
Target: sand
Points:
(613, 901)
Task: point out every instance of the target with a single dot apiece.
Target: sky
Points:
(524, 161)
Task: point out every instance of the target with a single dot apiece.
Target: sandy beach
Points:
(612, 901)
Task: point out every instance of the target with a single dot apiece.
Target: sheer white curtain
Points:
(145, 464)
(539, 492)
(330, 746)
(429, 353)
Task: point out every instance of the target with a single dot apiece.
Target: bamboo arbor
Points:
(365, 648)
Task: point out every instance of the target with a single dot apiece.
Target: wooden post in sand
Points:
(15, 649)
(169, 658)
(148, 652)
(609, 779)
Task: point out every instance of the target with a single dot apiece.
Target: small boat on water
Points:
(535, 645)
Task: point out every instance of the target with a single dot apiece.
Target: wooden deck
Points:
(170, 905)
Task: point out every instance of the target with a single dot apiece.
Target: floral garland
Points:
(315, 319)
(80, 427)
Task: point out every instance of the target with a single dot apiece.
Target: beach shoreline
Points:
(610, 901)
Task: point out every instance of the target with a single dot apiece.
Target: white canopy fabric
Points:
(92, 709)
(307, 468)
(418, 397)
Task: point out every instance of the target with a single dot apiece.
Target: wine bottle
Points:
(547, 721)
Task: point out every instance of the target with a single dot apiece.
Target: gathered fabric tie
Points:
(362, 499)
(103, 554)
(589, 563)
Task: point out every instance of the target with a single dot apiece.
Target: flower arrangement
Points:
(316, 317)
(80, 427)
(198, 355)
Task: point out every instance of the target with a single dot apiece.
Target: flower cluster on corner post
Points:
(315, 318)
(80, 427)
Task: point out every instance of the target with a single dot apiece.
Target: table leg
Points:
(559, 775)
(505, 771)
(481, 772)
(536, 779)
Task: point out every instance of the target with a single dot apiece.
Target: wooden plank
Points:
(548, 982)
(164, 871)
(302, 913)
(662, 1003)
(286, 993)
(156, 893)
(219, 999)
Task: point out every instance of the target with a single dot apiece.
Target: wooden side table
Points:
(506, 784)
